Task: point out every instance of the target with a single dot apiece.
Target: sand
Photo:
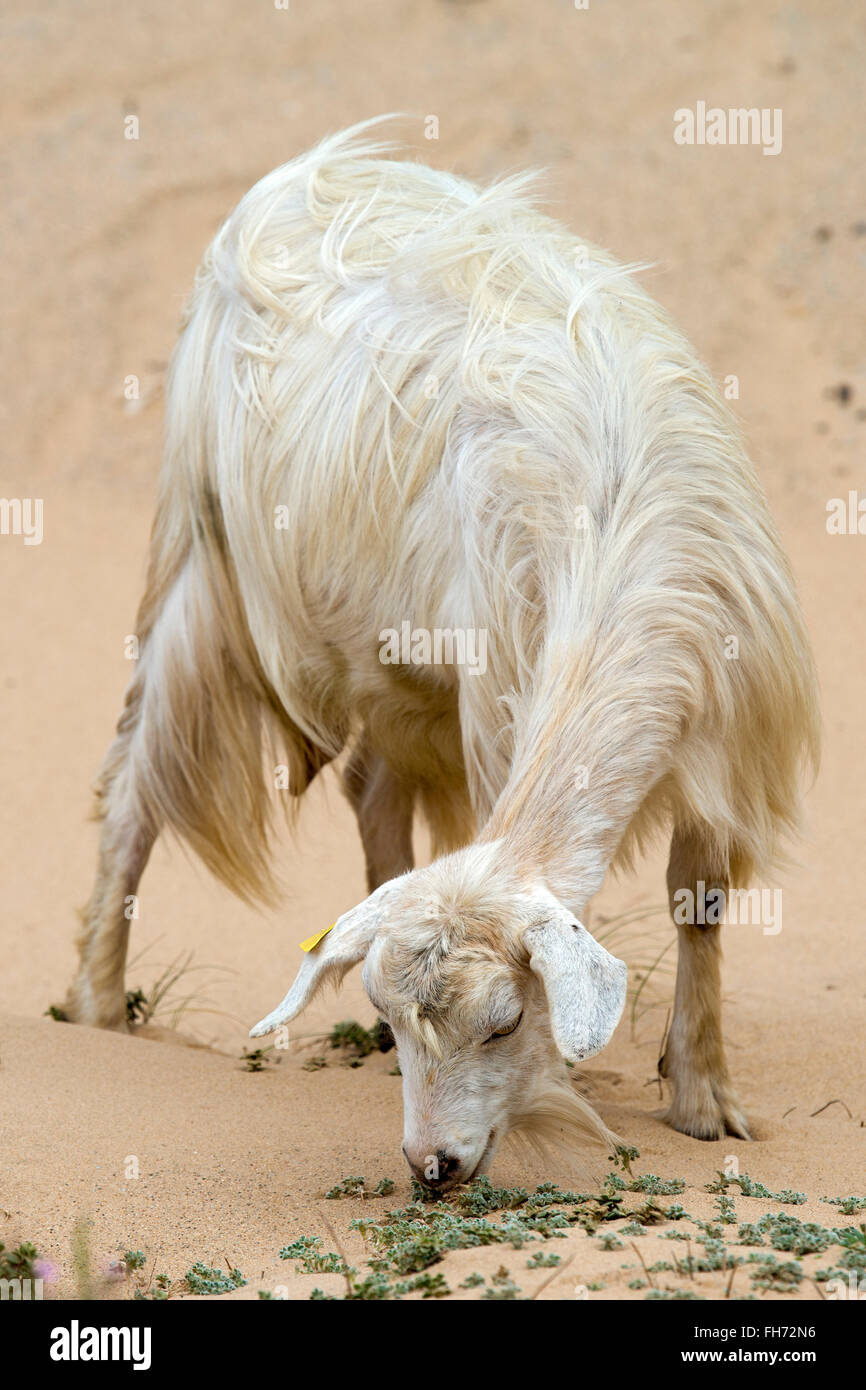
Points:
(760, 258)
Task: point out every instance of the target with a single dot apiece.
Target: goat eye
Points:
(504, 1032)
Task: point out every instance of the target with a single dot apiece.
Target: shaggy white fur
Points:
(398, 398)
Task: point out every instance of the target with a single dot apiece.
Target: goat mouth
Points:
(485, 1158)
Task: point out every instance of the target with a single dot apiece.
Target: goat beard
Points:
(558, 1124)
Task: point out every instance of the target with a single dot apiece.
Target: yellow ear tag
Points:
(313, 941)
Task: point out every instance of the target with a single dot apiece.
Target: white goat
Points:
(399, 399)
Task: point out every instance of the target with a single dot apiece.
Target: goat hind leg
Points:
(97, 995)
(383, 805)
(704, 1104)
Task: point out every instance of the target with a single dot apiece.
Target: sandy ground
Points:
(760, 258)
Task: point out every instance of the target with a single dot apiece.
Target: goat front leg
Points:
(704, 1104)
(383, 805)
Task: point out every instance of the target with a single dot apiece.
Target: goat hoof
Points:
(114, 1022)
(707, 1112)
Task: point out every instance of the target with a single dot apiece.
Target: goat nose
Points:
(439, 1169)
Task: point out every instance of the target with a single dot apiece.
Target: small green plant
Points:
(142, 1006)
(18, 1263)
(376, 1288)
(157, 1292)
(406, 1242)
(651, 1214)
(848, 1206)
(202, 1279)
(676, 1213)
(749, 1188)
(854, 1237)
(624, 1156)
(675, 1293)
(785, 1232)
(325, 1264)
(258, 1059)
(349, 1187)
(502, 1287)
(131, 1266)
(749, 1234)
(314, 1064)
(301, 1248)
(358, 1042)
(429, 1286)
(657, 1187)
(308, 1249)
(481, 1197)
(771, 1275)
(136, 1006)
(357, 1187)
(609, 1241)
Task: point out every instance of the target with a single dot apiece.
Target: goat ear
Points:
(344, 944)
(585, 985)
